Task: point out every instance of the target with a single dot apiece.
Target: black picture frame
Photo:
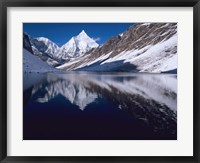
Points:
(97, 3)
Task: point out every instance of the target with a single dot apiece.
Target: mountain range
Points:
(143, 47)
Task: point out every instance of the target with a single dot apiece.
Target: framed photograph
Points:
(88, 81)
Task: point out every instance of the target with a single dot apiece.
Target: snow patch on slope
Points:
(33, 63)
(151, 58)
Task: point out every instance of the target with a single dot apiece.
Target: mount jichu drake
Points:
(143, 47)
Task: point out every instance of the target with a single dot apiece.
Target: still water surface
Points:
(99, 106)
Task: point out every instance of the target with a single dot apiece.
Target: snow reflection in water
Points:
(131, 106)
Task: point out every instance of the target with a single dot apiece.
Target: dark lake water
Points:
(99, 106)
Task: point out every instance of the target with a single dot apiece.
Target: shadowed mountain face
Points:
(26, 43)
(100, 106)
(45, 50)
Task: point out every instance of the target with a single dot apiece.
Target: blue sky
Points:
(60, 33)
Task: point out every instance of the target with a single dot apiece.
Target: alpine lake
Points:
(99, 106)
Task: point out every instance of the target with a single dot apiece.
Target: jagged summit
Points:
(82, 33)
(77, 46)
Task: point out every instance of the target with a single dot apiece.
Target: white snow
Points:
(51, 62)
(145, 24)
(121, 34)
(44, 39)
(52, 48)
(67, 64)
(32, 63)
(101, 58)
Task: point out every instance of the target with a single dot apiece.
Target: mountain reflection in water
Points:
(99, 106)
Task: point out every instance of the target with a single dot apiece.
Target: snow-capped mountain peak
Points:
(44, 46)
(82, 36)
(77, 46)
